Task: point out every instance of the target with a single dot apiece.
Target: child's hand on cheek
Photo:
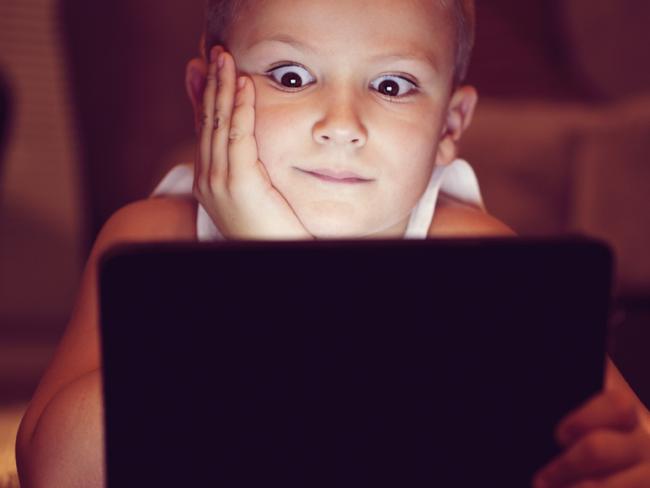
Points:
(229, 180)
(606, 445)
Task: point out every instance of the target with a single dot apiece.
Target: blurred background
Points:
(93, 112)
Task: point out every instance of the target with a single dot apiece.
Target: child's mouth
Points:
(346, 177)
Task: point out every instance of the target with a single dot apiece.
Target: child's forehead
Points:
(411, 26)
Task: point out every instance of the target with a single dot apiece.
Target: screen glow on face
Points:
(344, 87)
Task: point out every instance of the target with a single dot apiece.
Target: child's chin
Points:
(334, 230)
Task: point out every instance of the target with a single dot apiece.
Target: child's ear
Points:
(195, 74)
(459, 117)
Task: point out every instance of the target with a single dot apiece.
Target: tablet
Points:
(347, 363)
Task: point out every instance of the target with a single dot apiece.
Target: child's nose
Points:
(340, 125)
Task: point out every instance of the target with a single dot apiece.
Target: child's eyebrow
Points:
(410, 55)
(286, 39)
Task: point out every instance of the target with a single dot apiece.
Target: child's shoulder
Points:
(456, 219)
(159, 218)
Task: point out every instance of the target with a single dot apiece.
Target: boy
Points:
(349, 113)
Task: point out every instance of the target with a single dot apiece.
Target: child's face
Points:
(328, 105)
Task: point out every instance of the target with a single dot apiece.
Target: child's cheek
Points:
(275, 132)
(264, 134)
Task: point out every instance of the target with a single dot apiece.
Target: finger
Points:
(608, 410)
(242, 150)
(594, 456)
(222, 117)
(204, 148)
(636, 477)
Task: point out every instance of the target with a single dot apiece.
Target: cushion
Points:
(610, 191)
(522, 152)
(607, 43)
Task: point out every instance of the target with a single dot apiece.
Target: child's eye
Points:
(393, 86)
(296, 76)
(291, 76)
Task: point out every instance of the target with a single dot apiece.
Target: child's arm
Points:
(60, 438)
(455, 219)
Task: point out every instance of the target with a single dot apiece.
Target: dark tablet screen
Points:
(347, 363)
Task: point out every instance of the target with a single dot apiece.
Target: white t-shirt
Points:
(456, 180)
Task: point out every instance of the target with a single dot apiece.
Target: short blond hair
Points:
(222, 14)
(465, 24)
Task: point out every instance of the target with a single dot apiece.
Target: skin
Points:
(61, 437)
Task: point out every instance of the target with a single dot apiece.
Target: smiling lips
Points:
(336, 176)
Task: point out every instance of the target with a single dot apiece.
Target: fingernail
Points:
(241, 82)
(221, 60)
